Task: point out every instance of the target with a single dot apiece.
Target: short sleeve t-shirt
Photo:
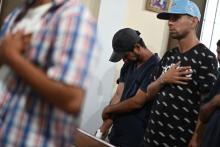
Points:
(175, 110)
(130, 127)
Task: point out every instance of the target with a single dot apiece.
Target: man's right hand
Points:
(177, 75)
(105, 113)
(106, 125)
(13, 44)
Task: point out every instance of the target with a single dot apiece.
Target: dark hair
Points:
(218, 43)
(141, 42)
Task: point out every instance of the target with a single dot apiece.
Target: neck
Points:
(188, 42)
(146, 55)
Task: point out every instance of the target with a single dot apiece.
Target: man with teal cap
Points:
(174, 114)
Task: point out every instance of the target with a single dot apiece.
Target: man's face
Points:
(180, 25)
(129, 56)
(218, 53)
(132, 55)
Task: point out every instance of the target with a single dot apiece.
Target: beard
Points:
(133, 58)
(137, 58)
(178, 36)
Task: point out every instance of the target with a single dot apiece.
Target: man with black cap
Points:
(131, 108)
(174, 114)
(128, 129)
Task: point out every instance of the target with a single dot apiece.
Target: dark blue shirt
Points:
(211, 137)
(128, 129)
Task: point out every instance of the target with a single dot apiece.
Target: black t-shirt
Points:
(175, 110)
(128, 129)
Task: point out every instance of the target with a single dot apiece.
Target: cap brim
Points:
(115, 57)
(165, 15)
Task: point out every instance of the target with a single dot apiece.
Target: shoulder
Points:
(204, 52)
(12, 15)
(9, 20)
(155, 58)
(72, 9)
(170, 52)
(152, 62)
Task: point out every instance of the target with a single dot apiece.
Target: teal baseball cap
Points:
(185, 7)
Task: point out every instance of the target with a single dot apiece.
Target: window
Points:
(210, 33)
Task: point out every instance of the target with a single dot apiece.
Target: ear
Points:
(194, 22)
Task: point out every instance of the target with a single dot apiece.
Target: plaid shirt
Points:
(66, 49)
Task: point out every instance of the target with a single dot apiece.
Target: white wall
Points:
(153, 31)
(111, 15)
(93, 5)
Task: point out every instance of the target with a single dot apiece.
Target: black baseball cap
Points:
(122, 42)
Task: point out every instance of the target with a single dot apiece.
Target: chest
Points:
(192, 59)
(44, 34)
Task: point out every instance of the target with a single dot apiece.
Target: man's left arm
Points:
(207, 77)
(126, 106)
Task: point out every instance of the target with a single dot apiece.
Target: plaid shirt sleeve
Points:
(8, 22)
(75, 50)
